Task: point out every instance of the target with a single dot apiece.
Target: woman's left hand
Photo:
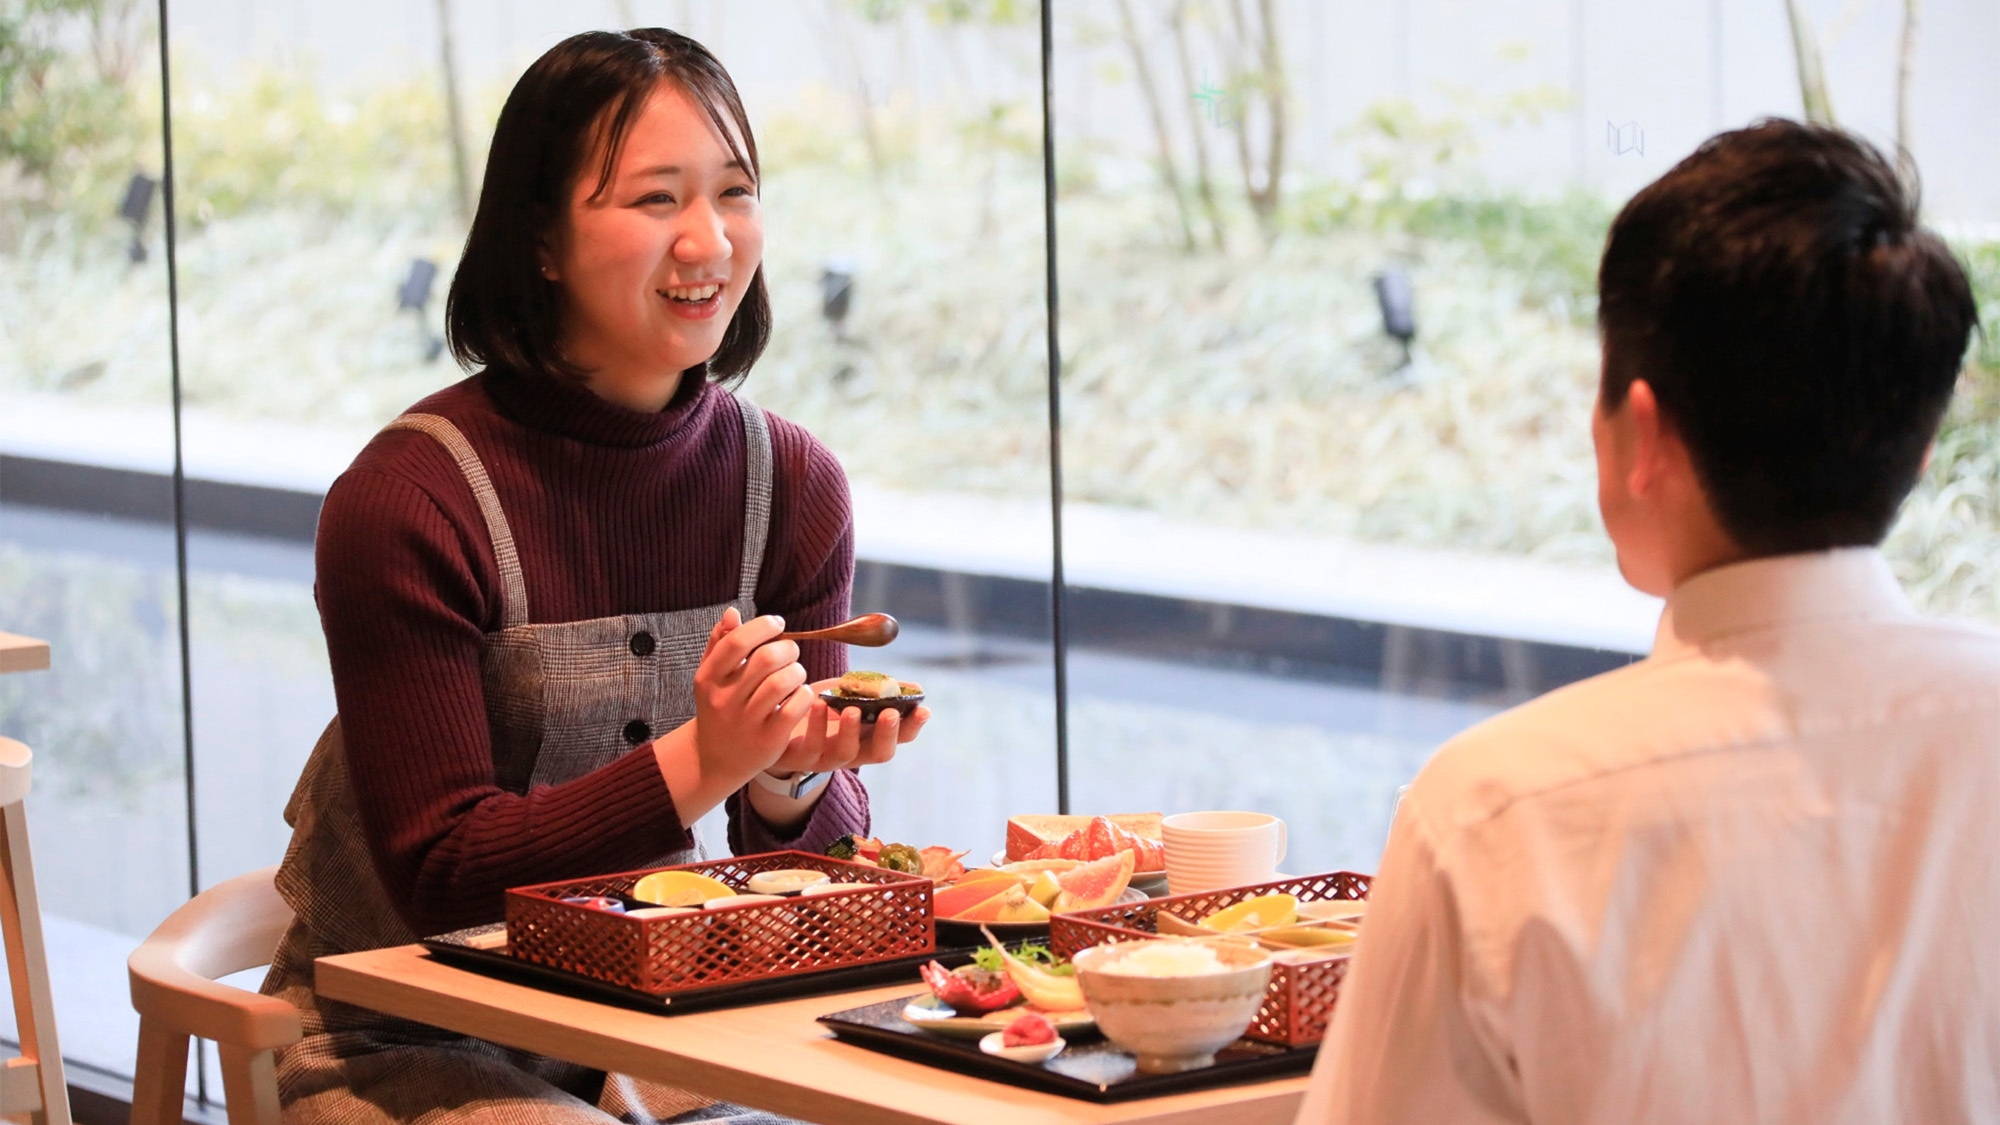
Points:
(829, 740)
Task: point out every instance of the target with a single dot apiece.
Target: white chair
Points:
(232, 926)
(33, 1083)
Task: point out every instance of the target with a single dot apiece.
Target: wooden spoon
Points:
(872, 630)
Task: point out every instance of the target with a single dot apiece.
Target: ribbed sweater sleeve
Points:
(402, 615)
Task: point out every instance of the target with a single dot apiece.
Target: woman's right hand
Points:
(750, 694)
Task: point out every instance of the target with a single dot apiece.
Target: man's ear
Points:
(1649, 438)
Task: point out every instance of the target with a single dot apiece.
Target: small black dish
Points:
(871, 709)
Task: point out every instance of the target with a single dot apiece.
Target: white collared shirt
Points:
(1754, 877)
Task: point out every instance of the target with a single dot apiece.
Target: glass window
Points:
(1327, 284)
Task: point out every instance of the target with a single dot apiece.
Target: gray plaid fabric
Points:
(558, 698)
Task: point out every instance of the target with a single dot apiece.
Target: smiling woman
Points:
(655, 259)
(541, 587)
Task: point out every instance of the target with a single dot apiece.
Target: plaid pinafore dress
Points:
(560, 702)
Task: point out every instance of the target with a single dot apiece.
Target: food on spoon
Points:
(971, 990)
(1031, 1029)
(1260, 913)
(1052, 989)
(679, 888)
(1027, 833)
(1094, 884)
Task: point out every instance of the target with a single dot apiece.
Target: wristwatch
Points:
(795, 786)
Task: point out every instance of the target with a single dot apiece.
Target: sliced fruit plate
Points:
(1152, 883)
(1020, 897)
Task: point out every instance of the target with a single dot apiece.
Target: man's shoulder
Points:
(1655, 711)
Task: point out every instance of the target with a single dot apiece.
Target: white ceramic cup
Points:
(1207, 850)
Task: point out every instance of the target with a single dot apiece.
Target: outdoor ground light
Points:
(836, 294)
(136, 206)
(1398, 301)
(414, 296)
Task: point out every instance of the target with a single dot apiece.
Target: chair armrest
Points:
(232, 926)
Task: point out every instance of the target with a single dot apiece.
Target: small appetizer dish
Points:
(996, 993)
(873, 693)
(1031, 1038)
(791, 880)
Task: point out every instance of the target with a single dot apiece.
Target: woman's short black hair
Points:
(1799, 328)
(580, 96)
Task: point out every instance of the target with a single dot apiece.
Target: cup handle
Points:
(1284, 840)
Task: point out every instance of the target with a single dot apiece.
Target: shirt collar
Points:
(1853, 583)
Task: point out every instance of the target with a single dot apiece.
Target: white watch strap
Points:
(795, 786)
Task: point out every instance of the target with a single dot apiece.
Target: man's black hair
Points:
(1800, 330)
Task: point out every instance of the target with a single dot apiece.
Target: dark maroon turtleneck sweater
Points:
(612, 512)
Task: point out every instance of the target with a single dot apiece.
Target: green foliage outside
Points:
(72, 122)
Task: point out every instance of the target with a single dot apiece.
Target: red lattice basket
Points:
(1297, 1006)
(728, 944)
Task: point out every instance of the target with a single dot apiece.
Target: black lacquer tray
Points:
(458, 948)
(1090, 1067)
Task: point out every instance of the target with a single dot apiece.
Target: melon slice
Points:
(1097, 883)
(975, 888)
(1012, 904)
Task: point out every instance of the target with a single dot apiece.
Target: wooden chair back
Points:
(32, 1084)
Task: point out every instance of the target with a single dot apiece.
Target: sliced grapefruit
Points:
(1097, 883)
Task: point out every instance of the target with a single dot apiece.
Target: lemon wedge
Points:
(1258, 913)
(679, 888)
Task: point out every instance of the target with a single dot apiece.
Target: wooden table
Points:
(767, 1056)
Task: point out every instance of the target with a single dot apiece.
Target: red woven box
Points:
(728, 944)
(1298, 1005)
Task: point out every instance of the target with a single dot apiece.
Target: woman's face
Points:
(654, 267)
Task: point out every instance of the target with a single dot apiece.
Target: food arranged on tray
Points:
(1023, 998)
(1088, 838)
(1277, 921)
(1303, 926)
(873, 693)
(1174, 1002)
(941, 865)
(1033, 890)
(724, 922)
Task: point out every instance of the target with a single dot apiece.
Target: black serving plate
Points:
(1089, 1068)
(457, 948)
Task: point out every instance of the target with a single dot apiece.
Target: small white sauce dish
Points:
(994, 1044)
(788, 881)
(834, 888)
